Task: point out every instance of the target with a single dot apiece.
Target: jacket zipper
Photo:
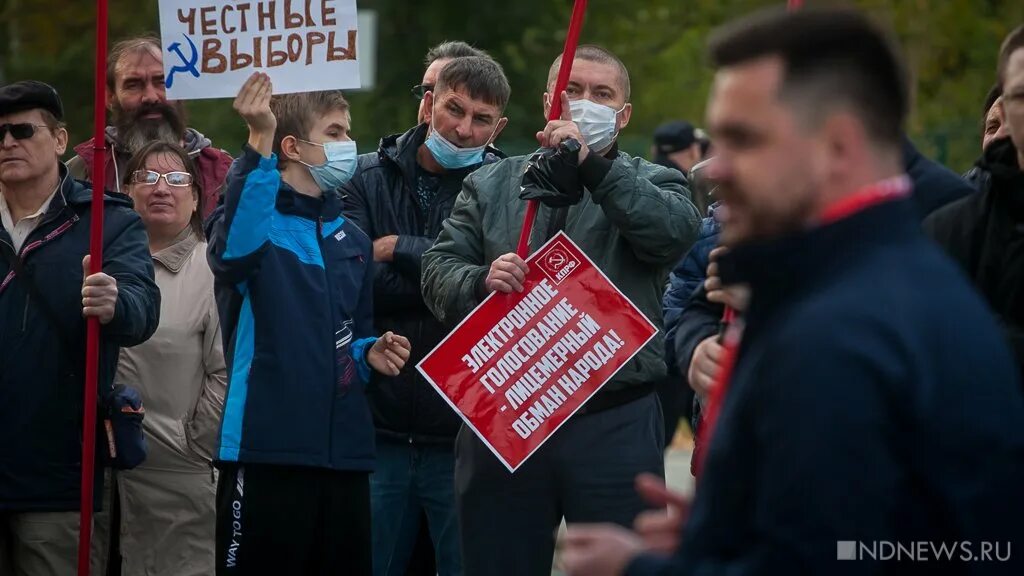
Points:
(333, 342)
(29, 247)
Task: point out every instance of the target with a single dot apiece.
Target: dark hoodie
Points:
(984, 233)
(212, 164)
(381, 199)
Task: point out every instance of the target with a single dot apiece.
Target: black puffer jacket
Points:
(984, 233)
(381, 199)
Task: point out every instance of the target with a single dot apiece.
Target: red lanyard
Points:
(883, 191)
(867, 197)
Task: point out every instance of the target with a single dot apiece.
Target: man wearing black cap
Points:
(678, 145)
(44, 302)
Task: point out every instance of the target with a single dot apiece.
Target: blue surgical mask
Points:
(597, 123)
(451, 156)
(342, 158)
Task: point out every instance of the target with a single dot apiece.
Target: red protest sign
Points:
(521, 364)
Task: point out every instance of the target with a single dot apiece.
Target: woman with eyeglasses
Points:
(167, 503)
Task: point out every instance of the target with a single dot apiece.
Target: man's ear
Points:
(844, 137)
(111, 98)
(61, 137)
(502, 122)
(428, 107)
(290, 148)
(547, 104)
(625, 115)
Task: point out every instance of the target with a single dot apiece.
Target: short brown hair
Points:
(296, 113)
(146, 43)
(593, 53)
(1014, 41)
(829, 56)
(160, 147)
(479, 76)
(450, 50)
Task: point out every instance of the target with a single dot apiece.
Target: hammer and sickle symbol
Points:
(187, 64)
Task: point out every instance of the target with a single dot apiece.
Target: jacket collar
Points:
(781, 269)
(195, 143)
(1000, 160)
(174, 256)
(402, 148)
(327, 207)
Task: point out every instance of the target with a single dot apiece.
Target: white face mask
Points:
(597, 122)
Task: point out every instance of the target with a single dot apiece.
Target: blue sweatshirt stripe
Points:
(238, 389)
(251, 224)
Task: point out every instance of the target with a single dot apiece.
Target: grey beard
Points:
(134, 136)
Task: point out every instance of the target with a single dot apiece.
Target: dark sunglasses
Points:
(19, 131)
(150, 177)
(420, 90)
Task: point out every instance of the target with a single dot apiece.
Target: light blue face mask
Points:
(342, 158)
(451, 156)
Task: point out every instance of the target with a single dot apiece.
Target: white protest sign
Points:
(210, 47)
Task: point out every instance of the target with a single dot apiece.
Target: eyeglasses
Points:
(420, 90)
(19, 131)
(172, 178)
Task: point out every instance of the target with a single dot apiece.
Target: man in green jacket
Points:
(635, 220)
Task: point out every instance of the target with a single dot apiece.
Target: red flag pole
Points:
(572, 39)
(92, 349)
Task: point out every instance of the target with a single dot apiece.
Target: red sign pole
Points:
(572, 39)
(92, 349)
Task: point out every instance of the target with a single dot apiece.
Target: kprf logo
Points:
(558, 262)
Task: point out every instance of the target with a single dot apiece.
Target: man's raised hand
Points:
(253, 105)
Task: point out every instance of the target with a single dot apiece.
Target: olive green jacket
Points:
(635, 222)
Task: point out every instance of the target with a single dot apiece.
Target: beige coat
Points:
(167, 503)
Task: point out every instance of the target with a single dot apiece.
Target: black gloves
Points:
(552, 177)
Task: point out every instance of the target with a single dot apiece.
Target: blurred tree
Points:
(951, 46)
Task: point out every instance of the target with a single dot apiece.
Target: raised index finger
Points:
(566, 110)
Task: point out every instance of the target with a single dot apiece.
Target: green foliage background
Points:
(951, 45)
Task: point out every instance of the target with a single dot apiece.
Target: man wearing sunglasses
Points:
(435, 60)
(400, 196)
(44, 303)
(141, 113)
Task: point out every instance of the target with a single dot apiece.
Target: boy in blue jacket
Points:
(294, 283)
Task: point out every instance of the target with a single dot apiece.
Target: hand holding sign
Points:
(253, 105)
(507, 274)
(389, 354)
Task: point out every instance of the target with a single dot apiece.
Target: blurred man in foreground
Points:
(847, 404)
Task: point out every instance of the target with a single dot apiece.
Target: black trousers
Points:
(277, 520)
(585, 473)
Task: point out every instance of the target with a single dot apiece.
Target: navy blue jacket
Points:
(294, 283)
(41, 379)
(860, 336)
(381, 200)
(690, 318)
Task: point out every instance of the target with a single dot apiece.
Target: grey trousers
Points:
(584, 473)
(39, 544)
